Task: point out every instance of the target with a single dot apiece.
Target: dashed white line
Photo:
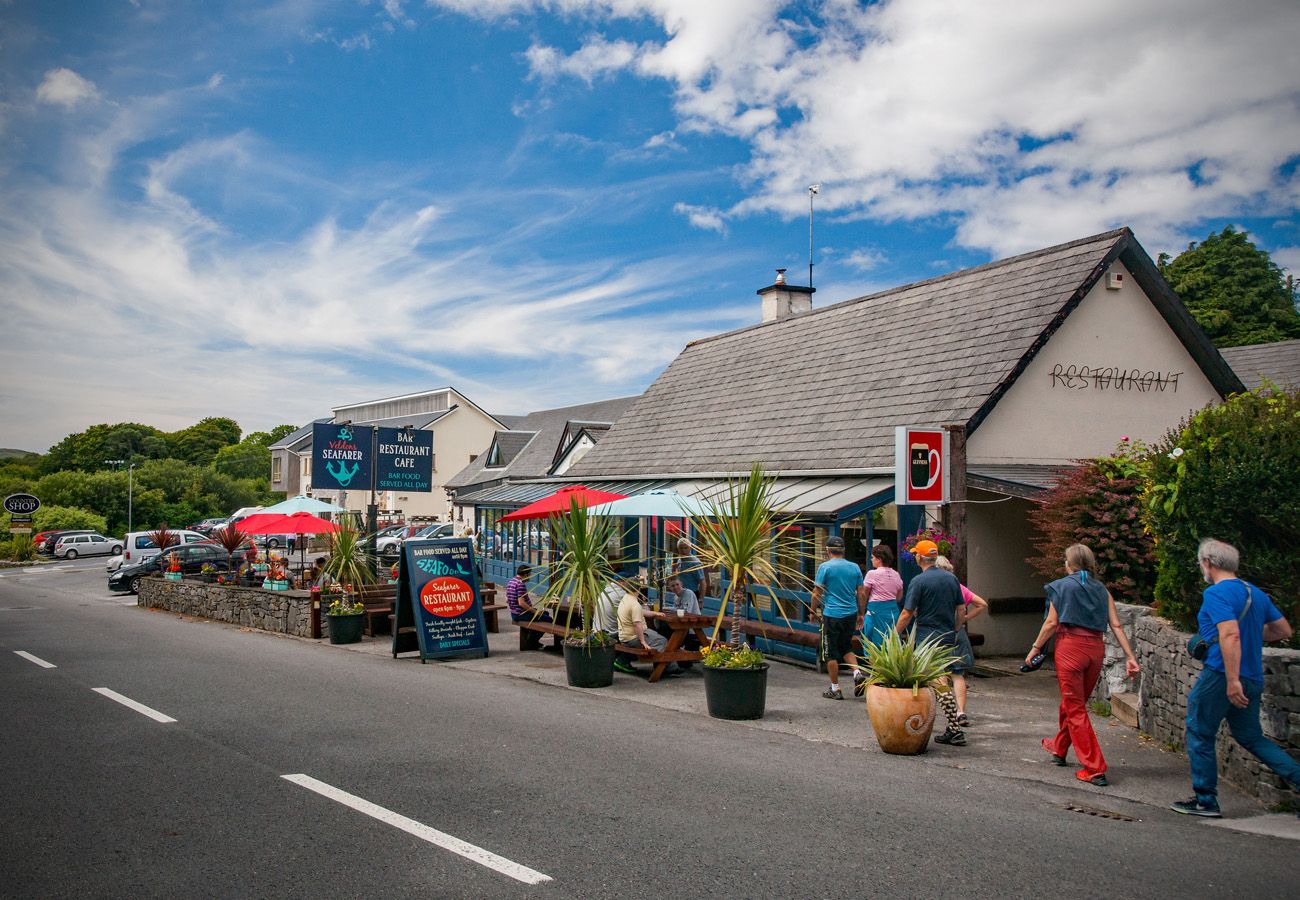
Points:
(131, 704)
(424, 832)
(36, 659)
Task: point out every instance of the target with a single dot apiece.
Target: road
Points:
(584, 796)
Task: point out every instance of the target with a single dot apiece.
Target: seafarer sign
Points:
(340, 457)
(438, 597)
(921, 458)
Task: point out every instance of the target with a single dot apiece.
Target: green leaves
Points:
(349, 563)
(583, 570)
(898, 663)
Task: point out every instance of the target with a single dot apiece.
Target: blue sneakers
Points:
(1194, 807)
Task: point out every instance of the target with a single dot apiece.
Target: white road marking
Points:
(131, 704)
(36, 659)
(422, 831)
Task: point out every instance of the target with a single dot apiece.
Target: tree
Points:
(200, 443)
(87, 450)
(1099, 503)
(1234, 289)
(1228, 473)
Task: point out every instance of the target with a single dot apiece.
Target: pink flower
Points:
(1124, 438)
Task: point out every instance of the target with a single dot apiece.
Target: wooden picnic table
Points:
(674, 651)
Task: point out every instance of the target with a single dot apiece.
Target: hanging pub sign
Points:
(340, 457)
(438, 601)
(920, 465)
(405, 460)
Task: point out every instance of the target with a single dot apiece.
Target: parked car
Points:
(70, 546)
(436, 530)
(114, 563)
(391, 544)
(193, 558)
(137, 546)
(207, 526)
(51, 538)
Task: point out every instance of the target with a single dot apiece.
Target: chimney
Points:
(781, 300)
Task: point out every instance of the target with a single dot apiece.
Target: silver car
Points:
(75, 545)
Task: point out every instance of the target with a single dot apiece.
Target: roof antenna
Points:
(812, 192)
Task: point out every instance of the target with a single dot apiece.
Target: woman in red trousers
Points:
(1079, 609)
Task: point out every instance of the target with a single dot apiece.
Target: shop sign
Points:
(438, 599)
(340, 457)
(405, 460)
(21, 504)
(920, 465)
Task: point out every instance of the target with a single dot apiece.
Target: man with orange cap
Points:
(934, 600)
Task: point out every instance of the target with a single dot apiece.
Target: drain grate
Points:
(1099, 813)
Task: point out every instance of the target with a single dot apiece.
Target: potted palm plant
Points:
(232, 540)
(581, 574)
(738, 536)
(900, 696)
(349, 565)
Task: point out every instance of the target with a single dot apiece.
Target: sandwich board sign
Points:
(921, 457)
(439, 609)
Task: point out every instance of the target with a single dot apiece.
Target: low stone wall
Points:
(285, 612)
(1168, 675)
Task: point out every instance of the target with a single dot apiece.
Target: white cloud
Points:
(865, 259)
(64, 87)
(180, 315)
(1288, 258)
(1027, 122)
(707, 218)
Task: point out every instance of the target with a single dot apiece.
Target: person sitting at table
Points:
(520, 603)
(633, 632)
(682, 598)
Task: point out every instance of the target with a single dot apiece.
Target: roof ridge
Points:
(1114, 234)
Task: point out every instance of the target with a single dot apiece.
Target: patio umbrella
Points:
(654, 505)
(298, 523)
(303, 503)
(559, 502)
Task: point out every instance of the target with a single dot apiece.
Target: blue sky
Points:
(263, 209)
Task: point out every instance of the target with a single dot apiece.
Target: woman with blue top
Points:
(1079, 609)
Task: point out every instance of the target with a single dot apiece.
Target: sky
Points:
(264, 209)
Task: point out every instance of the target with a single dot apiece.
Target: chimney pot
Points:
(780, 276)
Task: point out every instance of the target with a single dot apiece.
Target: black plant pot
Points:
(589, 665)
(736, 693)
(346, 629)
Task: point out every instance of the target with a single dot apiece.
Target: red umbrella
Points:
(560, 501)
(293, 523)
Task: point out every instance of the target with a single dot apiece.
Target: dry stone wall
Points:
(1168, 675)
(285, 612)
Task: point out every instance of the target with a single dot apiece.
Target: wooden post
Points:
(954, 512)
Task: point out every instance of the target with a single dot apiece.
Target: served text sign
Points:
(438, 588)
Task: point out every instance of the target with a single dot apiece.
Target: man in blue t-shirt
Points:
(1236, 618)
(839, 600)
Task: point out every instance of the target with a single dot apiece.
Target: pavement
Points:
(1011, 714)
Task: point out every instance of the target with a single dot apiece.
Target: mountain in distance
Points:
(10, 453)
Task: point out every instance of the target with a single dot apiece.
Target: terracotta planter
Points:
(902, 722)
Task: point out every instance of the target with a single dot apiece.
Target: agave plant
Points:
(582, 572)
(738, 535)
(898, 663)
(349, 563)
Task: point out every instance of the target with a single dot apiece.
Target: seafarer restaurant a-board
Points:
(1031, 362)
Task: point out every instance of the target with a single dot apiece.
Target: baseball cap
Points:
(834, 542)
(925, 548)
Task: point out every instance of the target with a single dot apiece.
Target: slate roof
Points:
(287, 442)
(1278, 362)
(509, 443)
(823, 390)
(422, 420)
(534, 458)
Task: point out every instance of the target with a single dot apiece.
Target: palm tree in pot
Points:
(581, 575)
(232, 540)
(739, 536)
(350, 567)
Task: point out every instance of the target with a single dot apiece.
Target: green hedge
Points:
(1229, 472)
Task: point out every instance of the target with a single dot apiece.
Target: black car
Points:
(193, 558)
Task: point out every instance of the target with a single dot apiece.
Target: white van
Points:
(137, 546)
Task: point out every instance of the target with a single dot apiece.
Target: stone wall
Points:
(1168, 675)
(286, 612)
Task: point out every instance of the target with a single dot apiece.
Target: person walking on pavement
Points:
(974, 605)
(884, 590)
(839, 601)
(933, 599)
(1079, 609)
(1235, 619)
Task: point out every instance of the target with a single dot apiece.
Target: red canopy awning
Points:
(560, 501)
(293, 523)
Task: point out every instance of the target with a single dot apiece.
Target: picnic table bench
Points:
(378, 600)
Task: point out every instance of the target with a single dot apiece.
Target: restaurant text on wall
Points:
(1113, 378)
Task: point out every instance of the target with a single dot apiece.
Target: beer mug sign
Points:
(921, 465)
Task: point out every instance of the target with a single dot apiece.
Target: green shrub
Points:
(1099, 503)
(1228, 472)
(66, 518)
